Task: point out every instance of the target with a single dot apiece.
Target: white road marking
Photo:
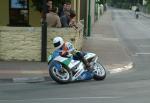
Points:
(103, 38)
(121, 69)
(87, 98)
(142, 53)
(23, 71)
(69, 98)
(144, 46)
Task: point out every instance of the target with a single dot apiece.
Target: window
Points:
(18, 12)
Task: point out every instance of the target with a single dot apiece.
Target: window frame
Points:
(19, 9)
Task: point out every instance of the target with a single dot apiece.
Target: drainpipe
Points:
(89, 18)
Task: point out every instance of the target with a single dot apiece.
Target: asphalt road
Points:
(132, 86)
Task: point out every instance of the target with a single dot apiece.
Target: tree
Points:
(148, 5)
(125, 3)
(148, 1)
(101, 1)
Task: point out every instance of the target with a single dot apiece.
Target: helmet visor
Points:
(57, 44)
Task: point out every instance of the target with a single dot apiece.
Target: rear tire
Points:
(59, 78)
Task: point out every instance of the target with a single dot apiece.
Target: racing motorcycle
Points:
(74, 70)
(136, 15)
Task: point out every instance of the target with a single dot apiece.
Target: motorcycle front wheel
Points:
(99, 72)
(60, 77)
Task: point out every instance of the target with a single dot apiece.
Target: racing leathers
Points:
(67, 49)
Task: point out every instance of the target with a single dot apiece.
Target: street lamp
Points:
(44, 33)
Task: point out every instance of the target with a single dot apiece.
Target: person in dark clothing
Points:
(65, 19)
(68, 19)
(48, 9)
(49, 6)
(66, 7)
(61, 10)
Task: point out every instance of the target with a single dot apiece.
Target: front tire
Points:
(99, 72)
(62, 78)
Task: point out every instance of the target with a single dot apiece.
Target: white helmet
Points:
(58, 42)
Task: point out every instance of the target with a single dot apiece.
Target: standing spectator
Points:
(49, 5)
(68, 19)
(61, 10)
(66, 6)
(53, 19)
(48, 8)
(65, 19)
(72, 22)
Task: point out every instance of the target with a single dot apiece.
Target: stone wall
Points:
(24, 43)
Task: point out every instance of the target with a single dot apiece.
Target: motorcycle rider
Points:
(137, 10)
(65, 48)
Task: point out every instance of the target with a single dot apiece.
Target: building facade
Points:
(18, 13)
(20, 29)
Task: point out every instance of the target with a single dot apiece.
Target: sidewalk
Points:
(103, 41)
(19, 71)
(145, 15)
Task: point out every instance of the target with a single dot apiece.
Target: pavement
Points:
(145, 15)
(104, 41)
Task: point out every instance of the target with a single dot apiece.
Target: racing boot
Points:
(87, 64)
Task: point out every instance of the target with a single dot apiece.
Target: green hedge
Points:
(148, 6)
(122, 5)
